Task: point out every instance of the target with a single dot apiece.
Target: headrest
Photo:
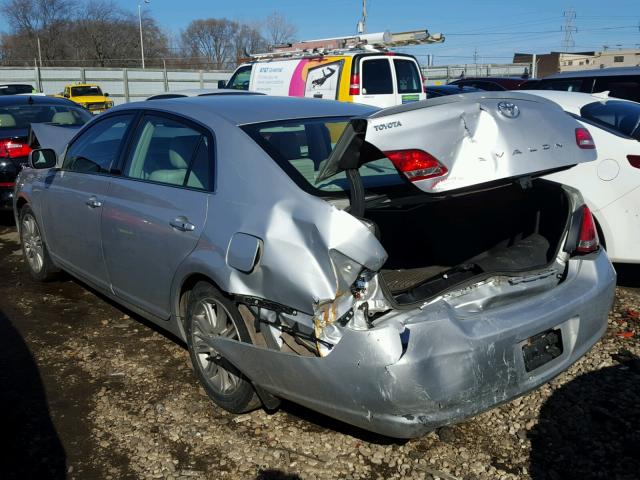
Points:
(7, 120)
(63, 118)
(181, 150)
(286, 143)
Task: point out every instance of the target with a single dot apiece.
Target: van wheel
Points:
(34, 249)
(211, 315)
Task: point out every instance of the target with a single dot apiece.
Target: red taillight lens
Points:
(634, 160)
(13, 149)
(354, 86)
(416, 164)
(583, 138)
(588, 240)
(7, 184)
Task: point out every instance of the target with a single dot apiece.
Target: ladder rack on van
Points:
(373, 42)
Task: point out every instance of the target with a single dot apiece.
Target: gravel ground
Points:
(88, 390)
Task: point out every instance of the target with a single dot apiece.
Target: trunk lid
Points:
(479, 139)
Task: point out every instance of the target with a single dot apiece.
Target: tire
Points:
(34, 249)
(211, 314)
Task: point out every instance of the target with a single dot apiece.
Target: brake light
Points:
(7, 184)
(13, 149)
(583, 138)
(634, 160)
(416, 164)
(588, 240)
(354, 86)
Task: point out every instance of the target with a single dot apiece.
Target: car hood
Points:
(480, 138)
(89, 99)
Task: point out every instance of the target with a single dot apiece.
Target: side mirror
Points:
(43, 158)
(222, 84)
(106, 94)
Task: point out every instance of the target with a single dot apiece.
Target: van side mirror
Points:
(106, 94)
(43, 158)
(222, 84)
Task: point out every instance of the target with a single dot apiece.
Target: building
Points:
(556, 62)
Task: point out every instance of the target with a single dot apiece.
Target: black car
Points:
(491, 84)
(434, 91)
(17, 113)
(620, 82)
(16, 89)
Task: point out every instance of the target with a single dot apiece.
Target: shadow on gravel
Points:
(276, 475)
(628, 275)
(32, 448)
(590, 428)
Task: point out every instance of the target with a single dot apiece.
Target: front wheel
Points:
(34, 249)
(211, 315)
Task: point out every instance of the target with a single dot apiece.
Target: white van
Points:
(381, 79)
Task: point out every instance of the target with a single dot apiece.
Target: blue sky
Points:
(496, 28)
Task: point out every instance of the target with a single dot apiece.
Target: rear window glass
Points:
(627, 87)
(16, 89)
(570, 85)
(623, 117)
(302, 147)
(376, 77)
(21, 116)
(407, 76)
(86, 91)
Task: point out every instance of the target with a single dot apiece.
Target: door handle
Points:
(182, 224)
(93, 202)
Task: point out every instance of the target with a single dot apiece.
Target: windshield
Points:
(21, 116)
(301, 148)
(86, 91)
(623, 117)
(16, 89)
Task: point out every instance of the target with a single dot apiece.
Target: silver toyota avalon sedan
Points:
(396, 269)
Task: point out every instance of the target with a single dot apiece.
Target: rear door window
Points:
(376, 77)
(408, 78)
(167, 151)
(97, 149)
(623, 117)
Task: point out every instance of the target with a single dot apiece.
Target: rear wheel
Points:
(209, 315)
(34, 249)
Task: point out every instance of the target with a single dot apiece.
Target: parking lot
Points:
(89, 390)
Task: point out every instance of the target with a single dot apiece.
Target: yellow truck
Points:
(88, 95)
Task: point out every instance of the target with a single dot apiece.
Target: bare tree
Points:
(279, 30)
(248, 40)
(211, 38)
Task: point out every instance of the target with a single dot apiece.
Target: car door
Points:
(408, 81)
(74, 198)
(377, 87)
(157, 209)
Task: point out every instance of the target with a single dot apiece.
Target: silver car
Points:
(396, 269)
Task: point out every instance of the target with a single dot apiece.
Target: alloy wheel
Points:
(32, 242)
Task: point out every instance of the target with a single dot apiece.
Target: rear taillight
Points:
(583, 138)
(13, 149)
(588, 240)
(354, 86)
(634, 160)
(416, 164)
(7, 184)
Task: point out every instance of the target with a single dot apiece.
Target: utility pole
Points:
(362, 24)
(141, 39)
(39, 51)
(569, 29)
(475, 59)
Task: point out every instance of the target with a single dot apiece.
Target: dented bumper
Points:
(431, 367)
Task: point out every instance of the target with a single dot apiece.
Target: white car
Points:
(611, 184)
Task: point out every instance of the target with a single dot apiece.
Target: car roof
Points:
(247, 109)
(573, 101)
(13, 100)
(601, 72)
(197, 92)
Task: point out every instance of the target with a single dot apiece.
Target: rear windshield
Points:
(301, 148)
(376, 77)
(86, 92)
(623, 117)
(20, 116)
(16, 89)
(407, 76)
(568, 85)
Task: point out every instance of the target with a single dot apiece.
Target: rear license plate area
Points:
(541, 349)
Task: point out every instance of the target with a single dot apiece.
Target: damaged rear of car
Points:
(454, 278)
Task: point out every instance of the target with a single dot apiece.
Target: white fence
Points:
(447, 73)
(123, 84)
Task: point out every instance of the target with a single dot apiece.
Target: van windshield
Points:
(301, 148)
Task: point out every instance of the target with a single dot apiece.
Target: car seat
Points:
(63, 118)
(180, 153)
(7, 120)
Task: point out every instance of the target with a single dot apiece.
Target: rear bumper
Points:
(439, 368)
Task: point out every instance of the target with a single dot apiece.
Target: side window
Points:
(376, 77)
(407, 76)
(96, 150)
(167, 151)
(240, 80)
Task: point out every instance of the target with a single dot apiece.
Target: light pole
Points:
(140, 20)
